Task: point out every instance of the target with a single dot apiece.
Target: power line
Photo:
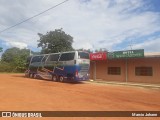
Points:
(32, 17)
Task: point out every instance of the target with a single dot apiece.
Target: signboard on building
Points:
(126, 54)
(98, 56)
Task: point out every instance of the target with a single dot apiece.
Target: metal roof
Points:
(152, 54)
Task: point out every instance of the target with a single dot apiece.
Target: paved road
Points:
(20, 93)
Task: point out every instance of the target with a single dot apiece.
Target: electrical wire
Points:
(33, 17)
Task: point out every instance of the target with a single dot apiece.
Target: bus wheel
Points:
(54, 78)
(61, 79)
(30, 75)
(34, 76)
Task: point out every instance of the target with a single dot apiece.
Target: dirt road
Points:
(18, 93)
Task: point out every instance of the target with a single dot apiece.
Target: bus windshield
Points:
(83, 55)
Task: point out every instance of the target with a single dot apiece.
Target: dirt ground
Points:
(18, 93)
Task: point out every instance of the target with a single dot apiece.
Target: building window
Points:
(143, 71)
(114, 70)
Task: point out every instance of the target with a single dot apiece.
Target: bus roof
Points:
(58, 53)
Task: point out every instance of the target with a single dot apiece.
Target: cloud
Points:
(89, 22)
(17, 44)
(150, 45)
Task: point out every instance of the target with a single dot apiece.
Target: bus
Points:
(72, 65)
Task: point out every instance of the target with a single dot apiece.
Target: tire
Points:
(34, 76)
(54, 78)
(30, 75)
(61, 79)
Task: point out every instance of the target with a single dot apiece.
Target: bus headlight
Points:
(88, 74)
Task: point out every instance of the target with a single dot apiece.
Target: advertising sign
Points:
(126, 54)
(98, 56)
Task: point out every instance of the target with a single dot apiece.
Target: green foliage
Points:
(86, 50)
(6, 67)
(14, 60)
(35, 53)
(55, 41)
(101, 50)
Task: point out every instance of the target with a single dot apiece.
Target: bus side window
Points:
(67, 56)
(53, 57)
(44, 59)
(36, 59)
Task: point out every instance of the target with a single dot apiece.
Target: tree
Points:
(16, 58)
(55, 41)
(86, 50)
(9, 54)
(101, 50)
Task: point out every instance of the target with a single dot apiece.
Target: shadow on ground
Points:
(68, 82)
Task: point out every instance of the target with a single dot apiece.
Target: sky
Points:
(108, 24)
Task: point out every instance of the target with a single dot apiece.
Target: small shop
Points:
(125, 66)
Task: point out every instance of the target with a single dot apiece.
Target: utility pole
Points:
(30, 52)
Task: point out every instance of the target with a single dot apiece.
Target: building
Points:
(126, 66)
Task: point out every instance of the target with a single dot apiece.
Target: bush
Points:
(8, 67)
(5, 67)
(14, 60)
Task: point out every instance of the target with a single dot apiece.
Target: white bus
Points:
(73, 65)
